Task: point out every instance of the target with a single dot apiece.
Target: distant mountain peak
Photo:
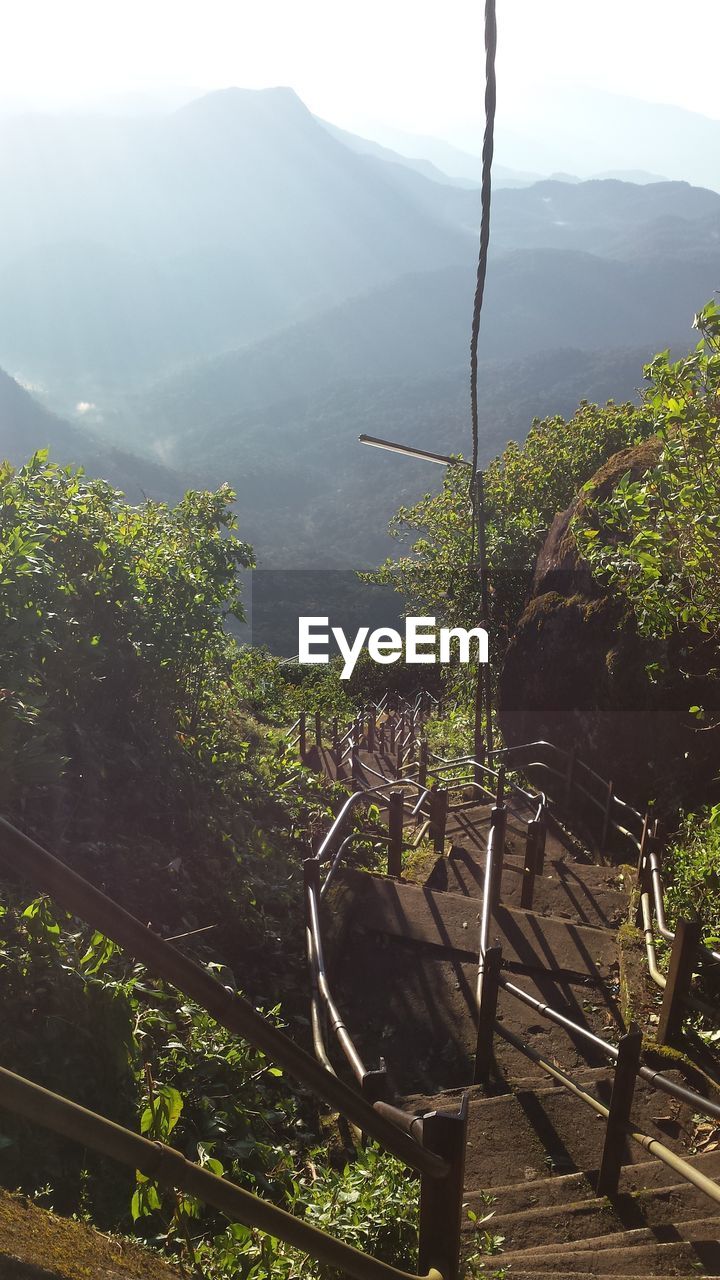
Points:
(233, 100)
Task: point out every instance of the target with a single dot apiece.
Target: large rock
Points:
(577, 675)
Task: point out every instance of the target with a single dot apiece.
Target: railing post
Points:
(644, 873)
(395, 832)
(500, 790)
(498, 820)
(318, 730)
(355, 765)
(607, 812)
(478, 739)
(541, 838)
(488, 988)
(527, 891)
(336, 743)
(302, 744)
(569, 779)
(682, 962)
(438, 817)
(374, 1085)
(371, 732)
(626, 1071)
(642, 857)
(441, 1199)
(392, 735)
(423, 762)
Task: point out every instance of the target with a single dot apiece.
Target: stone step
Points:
(680, 1248)
(450, 921)
(523, 1136)
(587, 1219)
(566, 890)
(572, 1188)
(414, 1006)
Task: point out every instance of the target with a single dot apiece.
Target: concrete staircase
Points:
(404, 972)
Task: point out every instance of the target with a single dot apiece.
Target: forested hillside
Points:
(25, 427)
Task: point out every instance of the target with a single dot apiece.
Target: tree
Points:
(524, 488)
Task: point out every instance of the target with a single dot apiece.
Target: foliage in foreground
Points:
(693, 864)
(657, 539)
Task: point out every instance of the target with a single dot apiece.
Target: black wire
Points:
(485, 195)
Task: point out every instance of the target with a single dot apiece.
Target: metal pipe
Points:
(336, 1022)
(164, 1164)
(656, 1148)
(659, 896)
(659, 978)
(654, 1078)
(315, 1014)
(77, 896)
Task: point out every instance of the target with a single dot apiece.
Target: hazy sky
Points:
(413, 64)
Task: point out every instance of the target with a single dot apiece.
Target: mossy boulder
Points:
(38, 1245)
(578, 674)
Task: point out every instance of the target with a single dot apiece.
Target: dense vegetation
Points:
(129, 744)
(524, 488)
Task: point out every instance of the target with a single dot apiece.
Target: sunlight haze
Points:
(395, 63)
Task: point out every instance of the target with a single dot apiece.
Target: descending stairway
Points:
(404, 973)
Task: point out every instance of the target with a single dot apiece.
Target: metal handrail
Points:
(166, 1165)
(658, 1081)
(636, 839)
(653, 1145)
(77, 896)
(659, 900)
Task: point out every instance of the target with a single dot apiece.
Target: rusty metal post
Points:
(500, 790)
(355, 766)
(644, 873)
(626, 1071)
(682, 962)
(441, 1199)
(607, 812)
(438, 817)
(643, 855)
(336, 743)
(302, 744)
(489, 986)
(375, 1086)
(395, 832)
(541, 838)
(318, 730)
(371, 727)
(423, 762)
(478, 738)
(527, 891)
(392, 735)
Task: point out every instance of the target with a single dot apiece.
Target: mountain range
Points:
(234, 290)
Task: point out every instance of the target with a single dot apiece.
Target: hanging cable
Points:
(487, 157)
